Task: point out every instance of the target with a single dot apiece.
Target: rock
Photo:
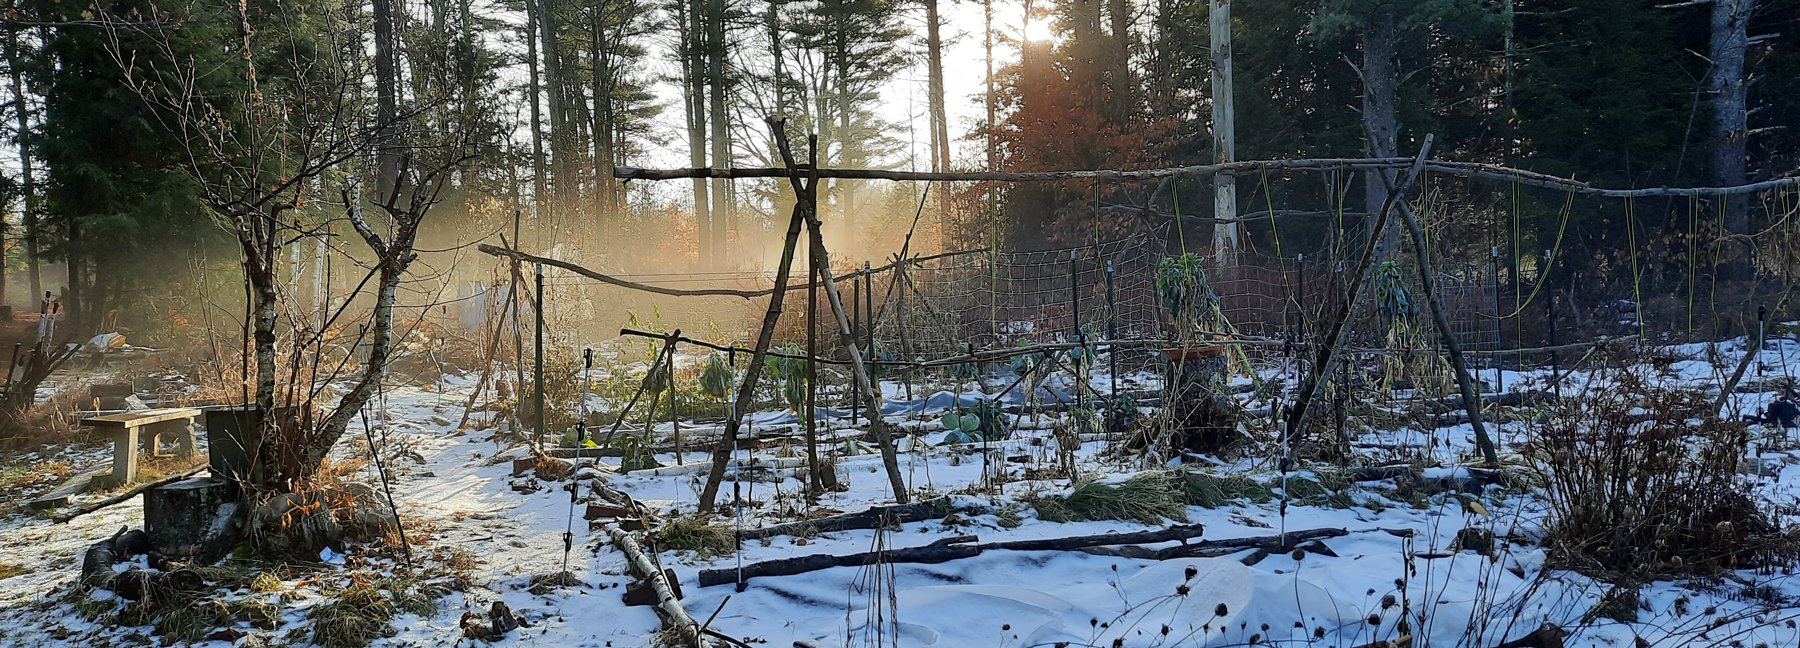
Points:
(296, 525)
(1548, 635)
(1474, 539)
(199, 518)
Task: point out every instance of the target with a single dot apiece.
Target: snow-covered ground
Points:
(1378, 586)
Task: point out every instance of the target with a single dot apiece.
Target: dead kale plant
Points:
(1642, 481)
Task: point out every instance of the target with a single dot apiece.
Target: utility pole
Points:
(1225, 230)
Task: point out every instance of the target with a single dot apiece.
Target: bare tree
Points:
(261, 132)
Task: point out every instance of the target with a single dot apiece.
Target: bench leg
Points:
(125, 456)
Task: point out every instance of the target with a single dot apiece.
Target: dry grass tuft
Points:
(1149, 498)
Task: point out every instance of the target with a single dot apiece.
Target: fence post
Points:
(1075, 314)
(1555, 384)
(538, 378)
(869, 326)
(1499, 324)
(855, 321)
(1112, 334)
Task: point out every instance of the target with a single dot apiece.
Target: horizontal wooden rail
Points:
(692, 292)
(1478, 170)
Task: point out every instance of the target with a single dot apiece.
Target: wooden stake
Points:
(753, 372)
(878, 427)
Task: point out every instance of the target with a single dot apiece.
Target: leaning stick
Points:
(865, 382)
(1327, 354)
(747, 389)
(90, 508)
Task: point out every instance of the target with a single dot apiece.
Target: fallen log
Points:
(90, 508)
(1272, 544)
(674, 617)
(869, 519)
(958, 547)
(943, 550)
(1474, 482)
(1182, 533)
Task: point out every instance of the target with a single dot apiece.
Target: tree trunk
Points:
(22, 109)
(605, 187)
(559, 119)
(537, 124)
(387, 158)
(1124, 86)
(693, 92)
(722, 211)
(1729, 87)
(1225, 232)
(1380, 77)
(940, 130)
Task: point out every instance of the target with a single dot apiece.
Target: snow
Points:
(998, 598)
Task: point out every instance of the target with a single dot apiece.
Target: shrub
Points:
(1642, 481)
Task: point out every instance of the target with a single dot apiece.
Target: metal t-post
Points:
(1555, 384)
(1112, 335)
(1499, 325)
(538, 378)
(1075, 312)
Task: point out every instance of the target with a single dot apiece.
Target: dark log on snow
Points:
(955, 548)
(1474, 482)
(1182, 533)
(1272, 544)
(944, 550)
(869, 519)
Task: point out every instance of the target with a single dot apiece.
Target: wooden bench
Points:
(129, 429)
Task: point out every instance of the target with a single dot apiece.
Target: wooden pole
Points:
(864, 382)
(817, 479)
(1464, 381)
(746, 389)
(680, 292)
(1331, 348)
(1483, 171)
